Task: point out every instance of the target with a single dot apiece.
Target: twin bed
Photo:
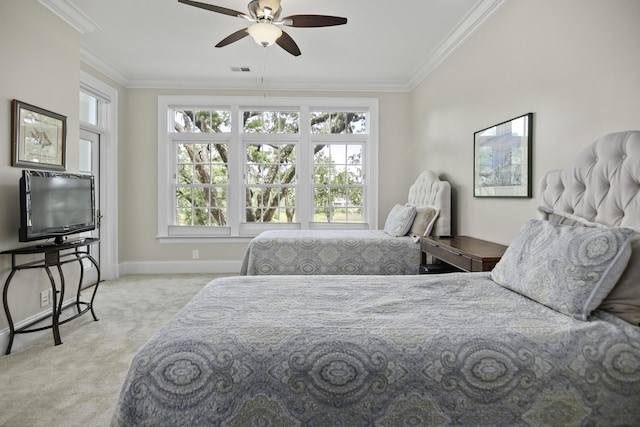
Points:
(541, 340)
(358, 252)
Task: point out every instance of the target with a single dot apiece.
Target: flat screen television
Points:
(54, 205)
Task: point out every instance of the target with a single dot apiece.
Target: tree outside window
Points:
(216, 149)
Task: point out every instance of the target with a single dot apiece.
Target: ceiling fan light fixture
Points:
(265, 34)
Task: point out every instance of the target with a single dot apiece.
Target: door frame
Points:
(91, 159)
(108, 131)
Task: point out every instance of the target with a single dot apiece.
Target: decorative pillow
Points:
(423, 222)
(569, 269)
(400, 220)
(624, 300)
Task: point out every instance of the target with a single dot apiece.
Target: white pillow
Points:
(400, 220)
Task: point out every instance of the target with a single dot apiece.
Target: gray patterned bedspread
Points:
(316, 252)
(444, 350)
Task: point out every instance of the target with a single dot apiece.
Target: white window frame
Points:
(236, 229)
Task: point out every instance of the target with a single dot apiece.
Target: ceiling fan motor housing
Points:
(265, 9)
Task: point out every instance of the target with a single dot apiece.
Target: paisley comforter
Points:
(441, 350)
(315, 252)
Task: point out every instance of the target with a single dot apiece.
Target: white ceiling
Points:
(162, 43)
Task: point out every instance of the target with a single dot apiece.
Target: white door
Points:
(99, 116)
(89, 163)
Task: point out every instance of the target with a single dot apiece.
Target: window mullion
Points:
(173, 178)
(304, 170)
(235, 194)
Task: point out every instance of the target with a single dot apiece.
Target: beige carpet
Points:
(78, 383)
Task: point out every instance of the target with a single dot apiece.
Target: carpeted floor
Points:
(78, 383)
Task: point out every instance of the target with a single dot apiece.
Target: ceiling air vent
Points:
(241, 69)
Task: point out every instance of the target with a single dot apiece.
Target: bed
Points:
(394, 250)
(531, 343)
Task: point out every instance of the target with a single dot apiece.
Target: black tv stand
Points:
(52, 257)
(60, 241)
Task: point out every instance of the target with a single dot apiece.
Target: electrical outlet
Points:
(44, 298)
(196, 254)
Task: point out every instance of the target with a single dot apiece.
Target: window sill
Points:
(203, 239)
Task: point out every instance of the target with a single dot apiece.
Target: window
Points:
(270, 183)
(338, 183)
(202, 181)
(236, 166)
(201, 161)
(88, 108)
(270, 165)
(338, 166)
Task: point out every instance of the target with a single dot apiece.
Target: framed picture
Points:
(502, 159)
(39, 137)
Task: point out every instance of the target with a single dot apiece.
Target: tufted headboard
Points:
(602, 185)
(429, 190)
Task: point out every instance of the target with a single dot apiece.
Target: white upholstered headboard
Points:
(602, 185)
(429, 190)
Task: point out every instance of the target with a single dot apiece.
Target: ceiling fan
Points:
(265, 30)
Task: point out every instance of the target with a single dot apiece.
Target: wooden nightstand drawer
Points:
(466, 253)
(447, 255)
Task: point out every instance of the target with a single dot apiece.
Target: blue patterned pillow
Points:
(400, 220)
(569, 269)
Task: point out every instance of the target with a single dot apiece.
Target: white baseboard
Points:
(111, 272)
(180, 267)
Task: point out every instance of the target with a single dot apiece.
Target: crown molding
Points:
(93, 60)
(104, 67)
(70, 14)
(481, 12)
(257, 84)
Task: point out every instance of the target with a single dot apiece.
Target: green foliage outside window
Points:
(338, 183)
(270, 173)
(271, 178)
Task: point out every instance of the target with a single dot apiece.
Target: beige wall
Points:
(574, 63)
(41, 69)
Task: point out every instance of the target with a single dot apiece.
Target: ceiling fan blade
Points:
(238, 35)
(213, 8)
(313, 21)
(286, 42)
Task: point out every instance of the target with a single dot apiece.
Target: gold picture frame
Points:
(39, 137)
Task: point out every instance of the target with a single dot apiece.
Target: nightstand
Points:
(463, 252)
